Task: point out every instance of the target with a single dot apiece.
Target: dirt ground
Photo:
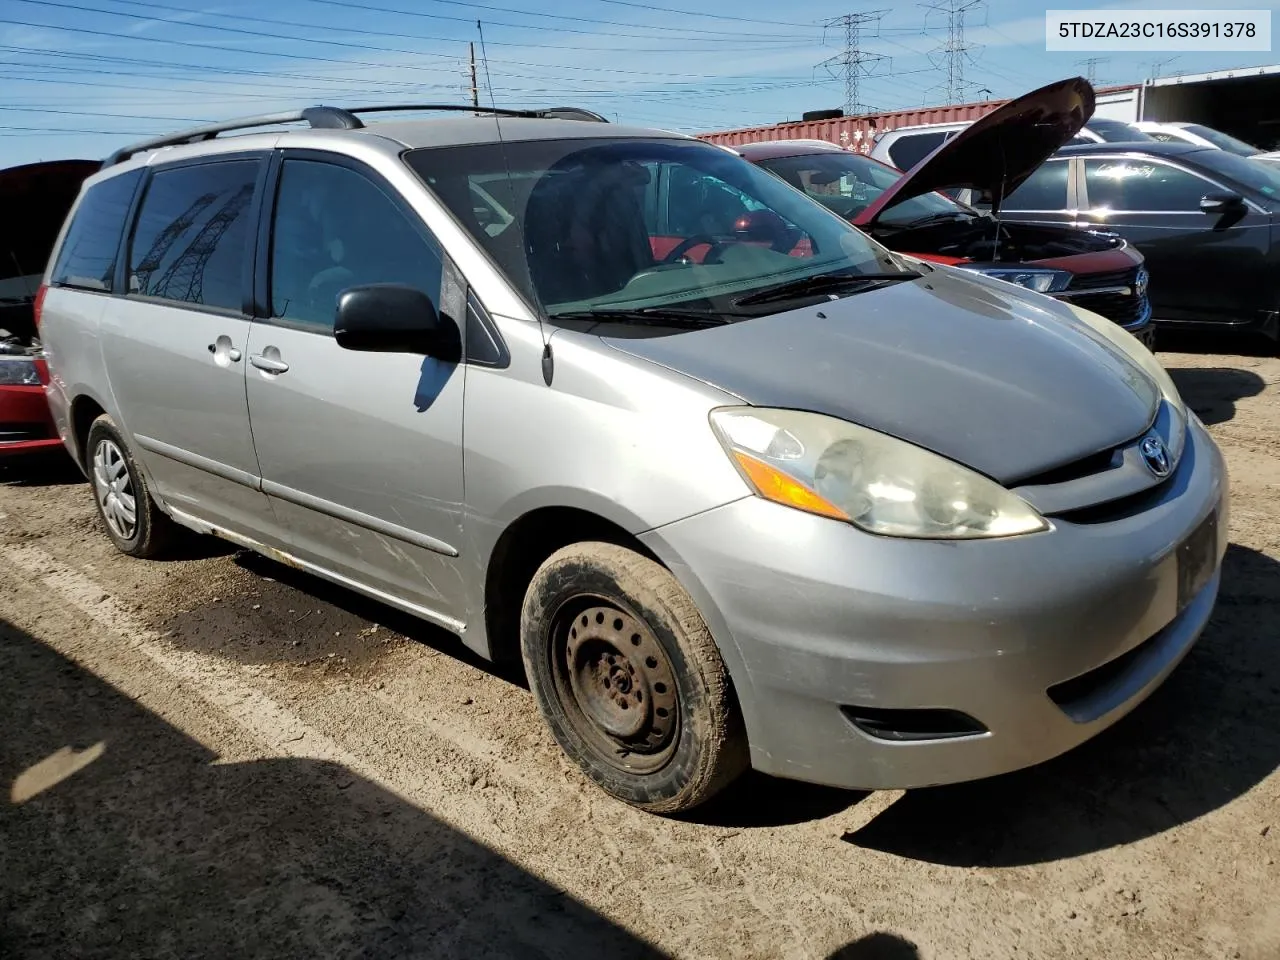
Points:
(216, 756)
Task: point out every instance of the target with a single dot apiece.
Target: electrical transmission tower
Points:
(955, 51)
(1091, 67)
(853, 62)
(152, 259)
(184, 280)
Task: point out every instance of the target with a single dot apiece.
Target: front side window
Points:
(191, 241)
(1244, 171)
(1142, 185)
(334, 228)
(847, 183)
(87, 259)
(1045, 189)
(631, 223)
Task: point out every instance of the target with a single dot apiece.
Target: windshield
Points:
(1117, 131)
(1262, 177)
(1222, 141)
(847, 183)
(634, 223)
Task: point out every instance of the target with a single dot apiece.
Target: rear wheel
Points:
(628, 678)
(129, 516)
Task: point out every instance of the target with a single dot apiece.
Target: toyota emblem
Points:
(1155, 455)
(1140, 282)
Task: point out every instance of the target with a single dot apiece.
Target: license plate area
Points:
(1196, 558)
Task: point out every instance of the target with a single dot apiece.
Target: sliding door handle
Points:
(268, 364)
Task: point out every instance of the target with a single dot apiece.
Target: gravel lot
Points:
(217, 756)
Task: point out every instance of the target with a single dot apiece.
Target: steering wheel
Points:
(687, 244)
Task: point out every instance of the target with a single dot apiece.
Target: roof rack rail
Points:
(557, 113)
(335, 118)
(320, 118)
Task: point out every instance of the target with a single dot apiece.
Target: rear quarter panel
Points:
(69, 332)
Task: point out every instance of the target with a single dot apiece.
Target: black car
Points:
(1204, 219)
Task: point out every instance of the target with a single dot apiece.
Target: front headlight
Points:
(876, 482)
(18, 372)
(1041, 281)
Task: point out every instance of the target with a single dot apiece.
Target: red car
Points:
(35, 199)
(993, 157)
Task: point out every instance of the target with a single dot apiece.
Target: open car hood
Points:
(34, 200)
(996, 153)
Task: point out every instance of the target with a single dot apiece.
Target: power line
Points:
(854, 62)
(366, 8)
(554, 16)
(954, 51)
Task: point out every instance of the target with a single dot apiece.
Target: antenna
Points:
(548, 361)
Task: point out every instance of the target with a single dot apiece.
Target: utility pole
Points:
(854, 62)
(475, 90)
(1091, 67)
(955, 51)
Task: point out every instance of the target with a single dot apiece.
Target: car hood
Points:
(1009, 385)
(999, 151)
(35, 199)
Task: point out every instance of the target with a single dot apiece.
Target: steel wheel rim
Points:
(113, 486)
(617, 684)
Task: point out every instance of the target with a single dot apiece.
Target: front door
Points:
(175, 345)
(361, 453)
(1203, 266)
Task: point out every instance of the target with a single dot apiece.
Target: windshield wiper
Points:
(824, 283)
(652, 316)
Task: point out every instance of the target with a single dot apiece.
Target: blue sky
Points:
(80, 77)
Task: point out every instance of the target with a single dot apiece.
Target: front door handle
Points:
(223, 352)
(269, 364)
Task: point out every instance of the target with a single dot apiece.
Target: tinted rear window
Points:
(909, 151)
(88, 256)
(1046, 189)
(192, 237)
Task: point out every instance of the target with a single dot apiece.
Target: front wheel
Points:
(628, 678)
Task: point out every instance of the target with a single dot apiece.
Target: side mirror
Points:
(1218, 203)
(394, 318)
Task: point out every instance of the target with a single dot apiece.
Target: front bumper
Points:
(815, 618)
(26, 425)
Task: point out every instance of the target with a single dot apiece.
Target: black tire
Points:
(108, 459)
(629, 680)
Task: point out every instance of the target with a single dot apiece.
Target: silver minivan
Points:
(739, 486)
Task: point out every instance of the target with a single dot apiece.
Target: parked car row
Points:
(736, 482)
(994, 156)
(1168, 224)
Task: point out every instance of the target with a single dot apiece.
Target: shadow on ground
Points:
(1209, 735)
(123, 837)
(877, 946)
(1212, 392)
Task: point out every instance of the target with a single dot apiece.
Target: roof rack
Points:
(336, 118)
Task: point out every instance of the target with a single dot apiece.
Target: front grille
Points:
(904, 725)
(1122, 308)
(1072, 696)
(1112, 278)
